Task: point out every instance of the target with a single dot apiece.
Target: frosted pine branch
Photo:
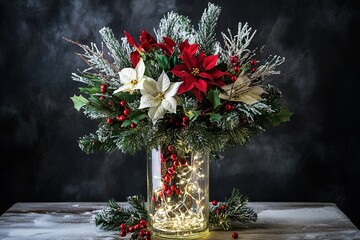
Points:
(268, 68)
(176, 27)
(120, 56)
(237, 45)
(206, 35)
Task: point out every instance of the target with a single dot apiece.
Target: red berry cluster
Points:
(124, 113)
(220, 208)
(140, 230)
(252, 62)
(174, 121)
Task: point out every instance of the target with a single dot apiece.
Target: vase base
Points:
(195, 235)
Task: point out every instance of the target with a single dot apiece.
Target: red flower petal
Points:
(200, 58)
(185, 87)
(188, 59)
(179, 70)
(201, 85)
(145, 36)
(216, 73)
(205, 75)
(210, 62)
(169, 42)
(184, 45)
(134, 58)
(146, 46)
(197, 94)
(131, 40)
(192, 49)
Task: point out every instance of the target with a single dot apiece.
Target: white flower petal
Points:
(124, 88)
(127, 74)
(169, 104)
(148, 87)
(163, 82)
(148, 101)
(172, 89)
(140, 69)
(156, 113)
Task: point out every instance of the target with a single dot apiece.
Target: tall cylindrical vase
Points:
(178, 192)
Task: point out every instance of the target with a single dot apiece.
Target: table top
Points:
(277, 220)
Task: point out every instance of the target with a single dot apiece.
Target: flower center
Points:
(133, 82)
(160, 96)
(195, 71)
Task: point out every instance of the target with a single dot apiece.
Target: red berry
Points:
(214, 202)
(244, 120)
(228, 107)
(169, 192)
(252, 62)
(122, 233)
(232, 107)
(170, 148)
(121, 118)
(253, 70)
(173, 156)
(126, 111)
(176, 163)
(183, 162)
(223, 207)
(101, 97)
(161, 194)
(170, 120)
(228, 74)
(236, 68)
(233, 78)
(123, 103)
(202, 113)
(173, 187)
(123, 226)
(163, 159)
(143, 222)
(171, 170)
(234, 59)
(167, 178)
(148, 233)
(109, 121)
(235, 235)
(164, 187)
(217, 211)
(133, 125)
(103, 88)
(185, 119)
(141, 233)
(153, 199)
(177, 191)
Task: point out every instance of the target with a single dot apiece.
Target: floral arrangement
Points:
(177, 86)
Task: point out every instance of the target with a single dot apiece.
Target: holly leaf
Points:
(126, 123)
(193, 115)
(283, 115)
(79, 101)
(213, 96)
(89, 90)
(126, 96)
(163, 61)
(215, 117)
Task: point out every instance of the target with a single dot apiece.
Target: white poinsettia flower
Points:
(241, 91)
(159, 96)
(132, 79)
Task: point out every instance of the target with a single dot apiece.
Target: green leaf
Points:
(214, 98)
(138, 117)
(215, 117)
(126, 123)
(193, 115)
(283, 115)
(79, 101)
(163, 61)
(126, 96)
(91, 90)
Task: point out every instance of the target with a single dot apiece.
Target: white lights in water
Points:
(186, 211)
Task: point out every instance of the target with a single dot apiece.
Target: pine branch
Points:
(117, 52)
(235, 210)
(206, 35)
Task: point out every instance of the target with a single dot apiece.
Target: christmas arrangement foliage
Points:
(179, 86)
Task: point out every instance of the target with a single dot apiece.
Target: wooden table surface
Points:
(73, 220)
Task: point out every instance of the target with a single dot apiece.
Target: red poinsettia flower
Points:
(197, 72)
(147, 43)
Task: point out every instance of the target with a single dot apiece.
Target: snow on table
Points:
(276, 221)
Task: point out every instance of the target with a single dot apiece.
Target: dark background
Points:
(315, 157)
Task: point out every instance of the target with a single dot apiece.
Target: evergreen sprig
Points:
(236, 211)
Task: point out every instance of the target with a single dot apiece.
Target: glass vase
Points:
(178, 193)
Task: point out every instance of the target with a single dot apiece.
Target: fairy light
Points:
(187, 214)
